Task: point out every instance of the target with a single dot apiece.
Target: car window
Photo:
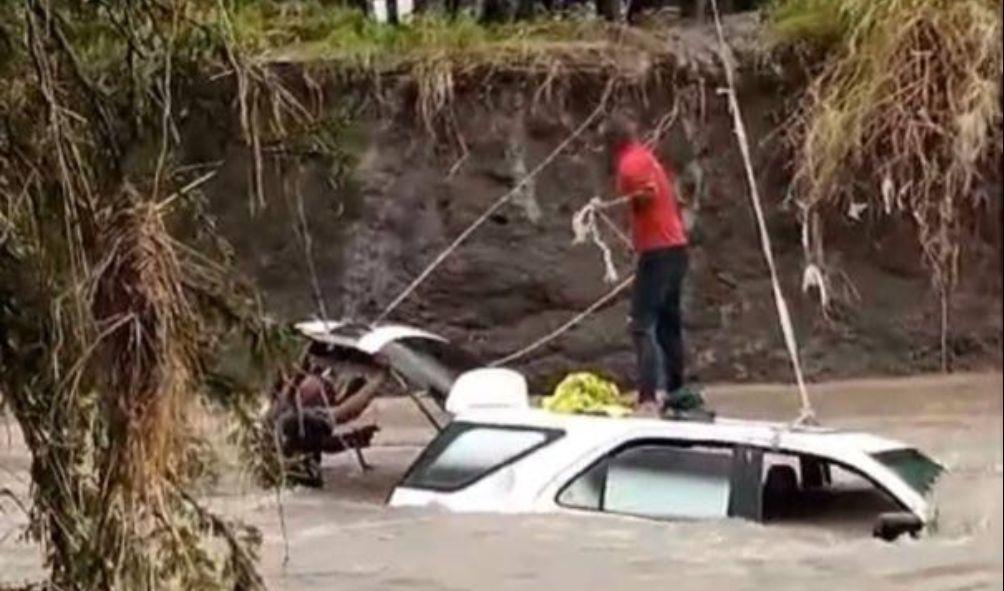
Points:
(586, 491)
(656, 480)
(466, 452)
(799, 488)
(667, 482)
(916, 469)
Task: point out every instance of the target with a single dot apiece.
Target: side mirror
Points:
(889, 526)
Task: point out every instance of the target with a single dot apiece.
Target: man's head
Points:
(618, 131)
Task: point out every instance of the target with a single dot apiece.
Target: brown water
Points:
(344, 538)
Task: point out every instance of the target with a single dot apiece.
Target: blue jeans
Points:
(656, 325)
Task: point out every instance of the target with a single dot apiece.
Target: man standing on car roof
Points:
(660, 243)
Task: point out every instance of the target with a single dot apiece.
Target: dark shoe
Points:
(686, 403)
(683, 399)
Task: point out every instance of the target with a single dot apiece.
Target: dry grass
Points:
(441, 57)
(150, 338)
(905, 115)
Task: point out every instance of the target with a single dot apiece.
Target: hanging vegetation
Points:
(904, 116)
(115, 292)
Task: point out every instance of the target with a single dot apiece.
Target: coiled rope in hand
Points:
(584, 227)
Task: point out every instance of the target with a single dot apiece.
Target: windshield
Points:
(916, 469)
(466, 452)
(429, 364)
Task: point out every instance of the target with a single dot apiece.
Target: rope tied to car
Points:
(554, 334)
(584, 227)
(807, 415)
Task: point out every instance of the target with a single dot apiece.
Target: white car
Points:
(522, 460)
(500, 455)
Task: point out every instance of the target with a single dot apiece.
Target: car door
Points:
(666, 479)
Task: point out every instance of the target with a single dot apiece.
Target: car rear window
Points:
(916, 469)
(466, 452)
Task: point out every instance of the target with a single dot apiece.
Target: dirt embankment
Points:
(519, 276)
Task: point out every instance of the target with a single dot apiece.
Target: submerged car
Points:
(500, 455)
(523, 460)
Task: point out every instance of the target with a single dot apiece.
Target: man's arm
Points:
(635, 185)
(639, 197)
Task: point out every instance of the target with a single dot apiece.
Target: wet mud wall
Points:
(409, 190)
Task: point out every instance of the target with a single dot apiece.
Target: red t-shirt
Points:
(655, 223)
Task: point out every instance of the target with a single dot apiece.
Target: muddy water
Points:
(343, 538)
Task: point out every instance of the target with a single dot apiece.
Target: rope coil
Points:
(584, 227)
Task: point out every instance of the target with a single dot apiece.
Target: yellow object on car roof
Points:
(587, 393)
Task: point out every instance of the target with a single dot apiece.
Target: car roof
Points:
(807, 439)
(361, 336)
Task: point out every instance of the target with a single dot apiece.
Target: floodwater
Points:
(342, 537)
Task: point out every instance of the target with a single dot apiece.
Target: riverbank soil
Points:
(518, 276)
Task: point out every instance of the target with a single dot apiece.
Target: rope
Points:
(808, 415)
(663, 125)
(584, 227)
(613, 227)
(502, 200)
(566, 326)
